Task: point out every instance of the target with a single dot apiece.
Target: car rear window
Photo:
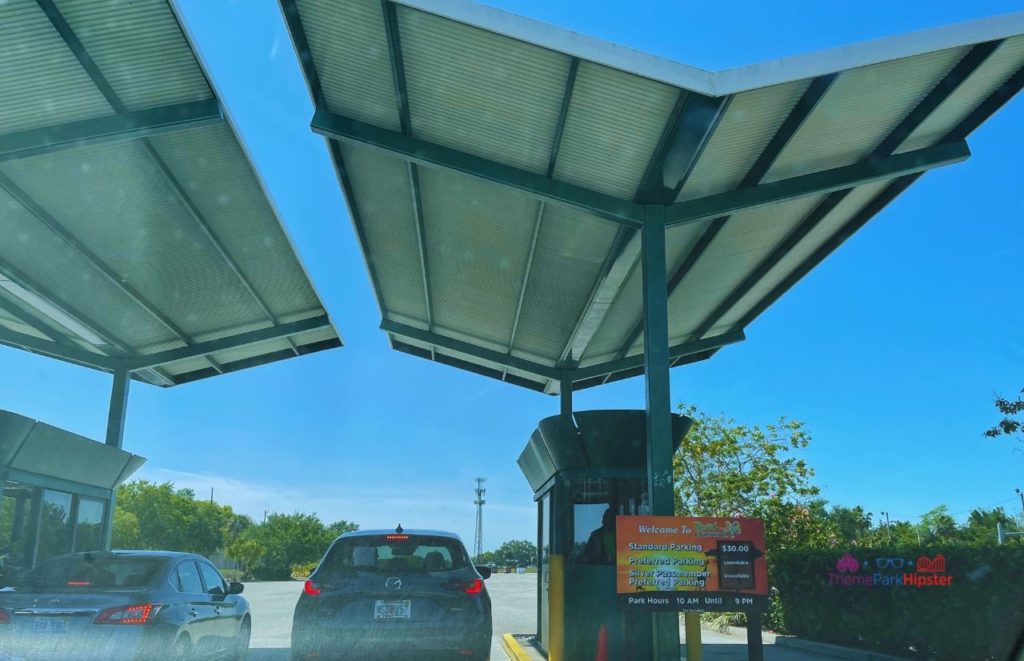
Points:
(90, 573)
(395, 553)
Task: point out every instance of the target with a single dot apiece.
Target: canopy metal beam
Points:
(280, 331)
(422, 152)
(452, 344)
(556, 145)
(674, 353)
(691, 124)
(794, 120)
(405, 122)
(121, 126)
(52, 349)
(816, 183)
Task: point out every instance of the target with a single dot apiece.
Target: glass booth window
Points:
(54, 525)
(89, 525)
(15, 509)
(595, 504)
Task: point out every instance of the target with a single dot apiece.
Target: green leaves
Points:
(516, 553)
(1009, 425)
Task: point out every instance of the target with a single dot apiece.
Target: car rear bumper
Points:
(391, 642)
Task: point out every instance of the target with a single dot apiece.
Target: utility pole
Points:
(1021, 494)
(478, 541)
(888, 530)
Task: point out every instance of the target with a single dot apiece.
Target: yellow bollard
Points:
(556, 608)
(693, 645)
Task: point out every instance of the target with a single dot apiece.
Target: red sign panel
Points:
(680, 563)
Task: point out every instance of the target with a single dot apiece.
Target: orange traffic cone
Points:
(602, 645)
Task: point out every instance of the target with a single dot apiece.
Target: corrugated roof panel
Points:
(480, 92)
(749, 124)
(1003, 63)
(349, 47)
(212, 167)
(614, 124)
(859, 110)
(140, 49)
(31, 248)
(571, 249)
(745, 240)
(626, 310)
(113, 198)
(383, 192)
(478, 239)
(825, 229)
(42, 83)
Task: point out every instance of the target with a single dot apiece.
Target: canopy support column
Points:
(658, 396)
(115, 437)
(565, 396)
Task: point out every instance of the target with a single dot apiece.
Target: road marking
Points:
(512, 647)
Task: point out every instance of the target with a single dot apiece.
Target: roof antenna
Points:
(399, 529)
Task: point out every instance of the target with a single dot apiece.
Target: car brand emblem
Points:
(54, 602)
(393, 583)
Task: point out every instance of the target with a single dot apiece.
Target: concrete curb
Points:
(834, 651)
(767, 636)
(512, 647)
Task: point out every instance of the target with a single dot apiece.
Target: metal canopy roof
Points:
(135, 232)
(497, 169)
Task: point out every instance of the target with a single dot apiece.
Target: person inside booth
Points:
(600, 547)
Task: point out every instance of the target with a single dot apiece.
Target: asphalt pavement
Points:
(514, 606)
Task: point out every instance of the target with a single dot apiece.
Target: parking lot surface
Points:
(513, 601)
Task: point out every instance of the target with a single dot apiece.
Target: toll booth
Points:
(580, 467)
(57, 489)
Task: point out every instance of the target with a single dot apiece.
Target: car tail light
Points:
(476, 586)
(311, 588)
(137, 614)
(396, 538)
(5, 617)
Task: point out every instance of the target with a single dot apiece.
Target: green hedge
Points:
(977, 616)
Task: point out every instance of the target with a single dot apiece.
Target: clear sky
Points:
(891, 350)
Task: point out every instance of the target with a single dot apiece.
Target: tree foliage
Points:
(516, 553)
(727, 469)
(1011, 424)
(248, 553)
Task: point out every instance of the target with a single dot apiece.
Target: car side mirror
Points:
(485, 572)
(235, 587)
(216, 591)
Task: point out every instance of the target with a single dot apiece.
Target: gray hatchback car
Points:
(401, 594)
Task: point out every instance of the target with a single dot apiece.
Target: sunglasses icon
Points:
(886, 563)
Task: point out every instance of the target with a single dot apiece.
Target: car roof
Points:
(394, 531)
(145, 552)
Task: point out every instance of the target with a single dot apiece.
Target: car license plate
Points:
(392, 610)
(50, 625)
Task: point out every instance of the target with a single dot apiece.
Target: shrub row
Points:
(978, 615)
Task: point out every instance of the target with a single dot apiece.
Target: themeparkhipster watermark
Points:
(890, 572)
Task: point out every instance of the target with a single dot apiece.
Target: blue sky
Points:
(890, 351)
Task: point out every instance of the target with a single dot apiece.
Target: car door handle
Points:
(217, 610)
(194, 613)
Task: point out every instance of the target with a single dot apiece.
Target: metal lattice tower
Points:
(478, 540)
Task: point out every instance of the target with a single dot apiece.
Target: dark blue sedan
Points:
(123, 605)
